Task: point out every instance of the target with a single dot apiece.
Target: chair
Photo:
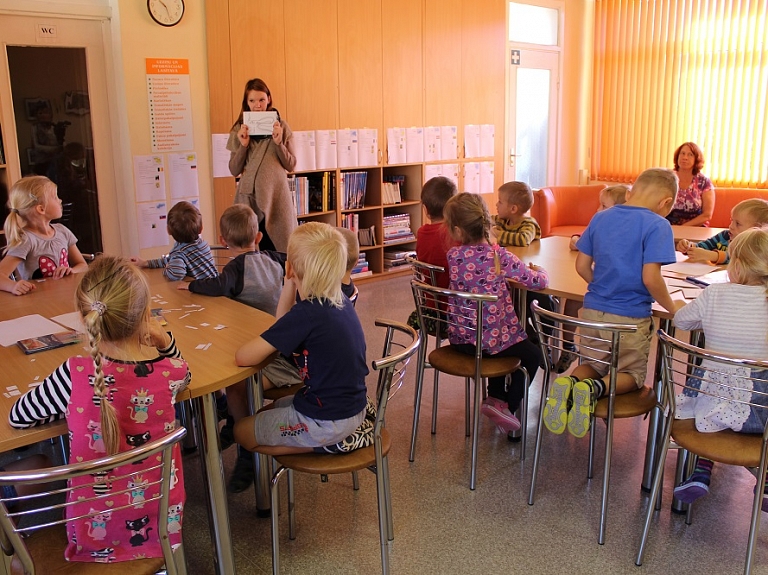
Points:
(608, 408)
(34, 534)
(722, 377)
(391, 370)
(430, 304)
(221, 256)
(427, 274)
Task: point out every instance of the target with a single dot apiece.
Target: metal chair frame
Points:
(431, 303)
(14, 532)
(391, 368)
(680, 363)
(554, 342)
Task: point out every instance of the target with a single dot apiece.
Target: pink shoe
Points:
(498, 412)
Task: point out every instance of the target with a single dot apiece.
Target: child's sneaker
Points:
(567, 357)
(498, 412)
(556, 407)
(580, 415)
(697, 485)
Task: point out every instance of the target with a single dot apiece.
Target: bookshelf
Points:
(374, 211)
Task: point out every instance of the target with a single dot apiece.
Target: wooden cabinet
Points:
(3, 188)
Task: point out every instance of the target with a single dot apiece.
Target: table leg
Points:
(255, 392)
(213, 479)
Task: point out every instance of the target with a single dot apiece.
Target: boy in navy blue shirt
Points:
(620, 256)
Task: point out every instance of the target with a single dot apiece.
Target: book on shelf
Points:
(391, 191)
(367, 236)
(363, 274)
(397, 228)
(46, 342)
(351, 222)
(397, 258)
(352, 188)
(313, 192)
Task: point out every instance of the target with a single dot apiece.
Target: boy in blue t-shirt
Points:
(322, 334)
(620, 256)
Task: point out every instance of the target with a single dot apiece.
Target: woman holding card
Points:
(261, 161)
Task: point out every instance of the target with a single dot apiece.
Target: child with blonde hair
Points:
(511, 226)
(322, 335)
(36, 247)
(119, 398)
(744, 215)
(477, 266)
(733, 316)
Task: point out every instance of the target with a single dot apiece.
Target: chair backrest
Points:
(466, 311)
(424, 272)
(720, 377)
(221, 257)
(48, 508)
(555, 330)
(354, 296)
(392, 365)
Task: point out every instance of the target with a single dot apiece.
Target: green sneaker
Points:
(580, 415)
(556, 407)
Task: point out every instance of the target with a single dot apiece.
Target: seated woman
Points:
(695, 201)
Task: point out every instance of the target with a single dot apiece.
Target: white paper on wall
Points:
(432, 144)
(487, 185)
(472, 141)
(220, 155)
(149, 178)
(449, 142)
(472, 177)
(304, 148)
(432, 171)
(451, 171)
(182, 174)
(368, 147)
(153, 224)
(414, 145)
(487, 132)
(396, 143)
(346, 148)
(325, 149)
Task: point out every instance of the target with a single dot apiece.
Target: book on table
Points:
(50, 341)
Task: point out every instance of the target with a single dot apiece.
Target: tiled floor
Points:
(443, 527)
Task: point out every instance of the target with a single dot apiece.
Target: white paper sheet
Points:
(220, 155)
(325, 149)
(368, 147)
(153, 224)
(304, 148)
(486, 178)
(472, 141)
(487, 132)
(346, 148)
(26, 326)
(451, 171)
(432, 143)
(194, 201)
(260, 123)
(449, 142)
(149, 178)
(432, 171)
(472, 177)
(182, 173)
(414, 145)
(396, 146)
(688, 268)
(72, 320)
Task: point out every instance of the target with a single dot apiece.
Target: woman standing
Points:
(261, 162)
(695, 201)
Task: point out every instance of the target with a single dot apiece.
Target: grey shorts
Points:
(282, 372)
(283, 425)
(634, 348)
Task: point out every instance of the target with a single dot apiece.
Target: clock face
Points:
(166, 12)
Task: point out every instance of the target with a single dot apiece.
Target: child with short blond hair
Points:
(322, 334)
(191, 255)
(511, 226)
(744, 215)
(620, 257)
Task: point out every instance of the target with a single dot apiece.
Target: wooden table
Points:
(694, 233)
(211, 369)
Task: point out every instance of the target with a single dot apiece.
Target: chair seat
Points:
(628, 404)
(47, 550)
(275, 393)
(449, 360)
(334, 463)
(724, 446)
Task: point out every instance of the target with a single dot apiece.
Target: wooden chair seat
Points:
(275, 393)
(448, 360)
(335, 463)
(628, 404)
(725, 446)
(47, 550)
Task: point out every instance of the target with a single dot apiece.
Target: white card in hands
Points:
(260, 123)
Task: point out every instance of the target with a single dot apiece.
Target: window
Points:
(533, 24)
(670, 71)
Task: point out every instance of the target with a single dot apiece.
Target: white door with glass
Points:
(533, 93)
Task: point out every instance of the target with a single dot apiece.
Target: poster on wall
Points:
(170, 104)
(153, 224)
(149, 178)
(182, 175)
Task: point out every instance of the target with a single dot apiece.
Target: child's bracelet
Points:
(721, 256)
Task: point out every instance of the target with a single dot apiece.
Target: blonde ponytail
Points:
(24, 196)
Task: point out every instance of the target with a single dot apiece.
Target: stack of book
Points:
(313, 192)
(299, 189)
(397, 228)
(391, 189)
(361, 269)
(353, 189)
(395, 259)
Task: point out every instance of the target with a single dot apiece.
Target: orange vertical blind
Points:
(671, 71)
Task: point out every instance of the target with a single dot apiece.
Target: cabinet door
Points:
(442, 44)
(402, 32)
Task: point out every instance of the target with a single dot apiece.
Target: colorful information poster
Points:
(170, 104)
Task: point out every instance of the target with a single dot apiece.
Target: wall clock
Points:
(166, 12)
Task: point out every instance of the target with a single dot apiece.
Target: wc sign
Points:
(46, 32)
